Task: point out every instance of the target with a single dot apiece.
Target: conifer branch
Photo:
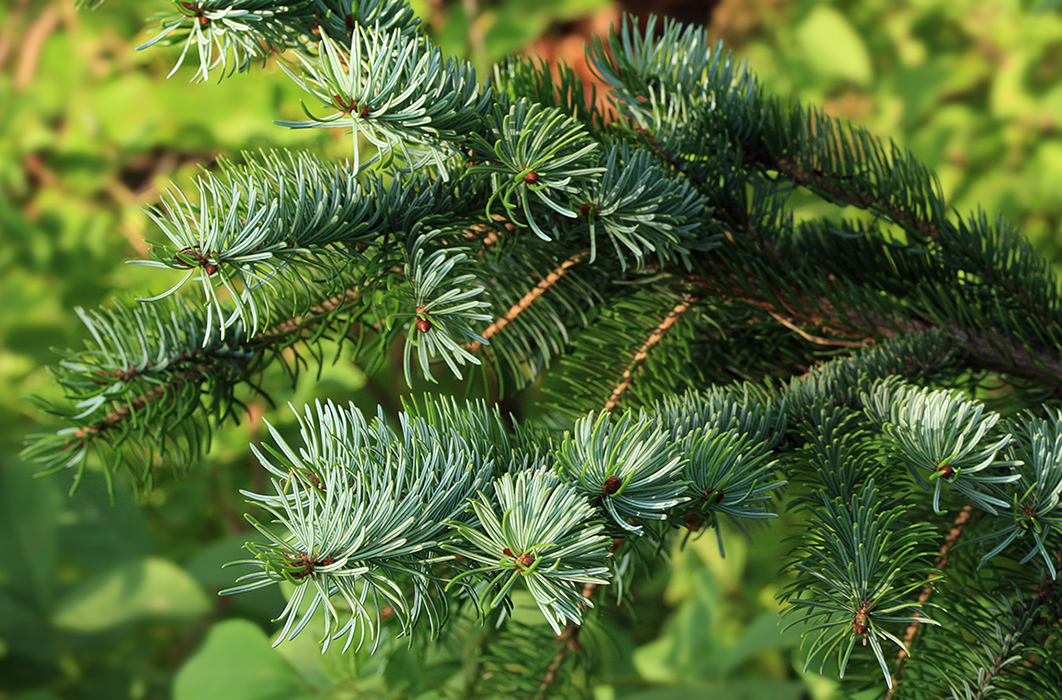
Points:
(814, 338)
(990, 351)
(830, 185)
(115, 418)
(603, 225)
(281, 331)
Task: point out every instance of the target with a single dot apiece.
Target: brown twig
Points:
(32, 45)
(643, 352)
(487, 234)
(525, 302)
(568, 640)
(117, 416)
(986, 351)
(11, 26)
(957, 528)
(306, 320)
(817, 339)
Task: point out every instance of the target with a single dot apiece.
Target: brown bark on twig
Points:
(643, 352)
(525, 302)
(958, 526)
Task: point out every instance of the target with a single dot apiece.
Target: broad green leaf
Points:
(689, 649)
(144, 589)
(97, 534)
(833, 48)
(763, 634)
(237, 663)
(28, 510)
(23, 631)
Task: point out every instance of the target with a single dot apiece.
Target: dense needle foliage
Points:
(886, 374)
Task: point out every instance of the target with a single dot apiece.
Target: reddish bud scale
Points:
(945, 471)
(710, 493)
(693, 522)
(507, 552)
(527, 559)
(860, 623)
(423, 325)
(210, 268)
(197, 12)
(304, 564)
(1026, 517)
(185, 252)
(862, 617)
(531, 178)
(612, 485)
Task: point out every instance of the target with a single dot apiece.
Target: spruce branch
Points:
(445, 306)
(856, 569)
(544, 536)
(283, 225)
(141, 381)
(557, 86)
(1034, 509)
(628, 466)
(643, 209)
(946, 436)
(229, 34)
(665, 261)
(397, 91)
(535, 158)
(362, 508)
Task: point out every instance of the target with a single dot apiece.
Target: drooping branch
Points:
(817, 180)
(987, 351)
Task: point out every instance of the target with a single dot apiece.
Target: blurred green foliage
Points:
(117, 600)
(973, 88)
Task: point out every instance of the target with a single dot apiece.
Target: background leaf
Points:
(236, 662)
(150, 588)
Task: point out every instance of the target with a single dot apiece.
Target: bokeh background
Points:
(118, 600)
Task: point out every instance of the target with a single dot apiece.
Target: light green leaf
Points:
(833, 47)
(149, 588)
(237, 663)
